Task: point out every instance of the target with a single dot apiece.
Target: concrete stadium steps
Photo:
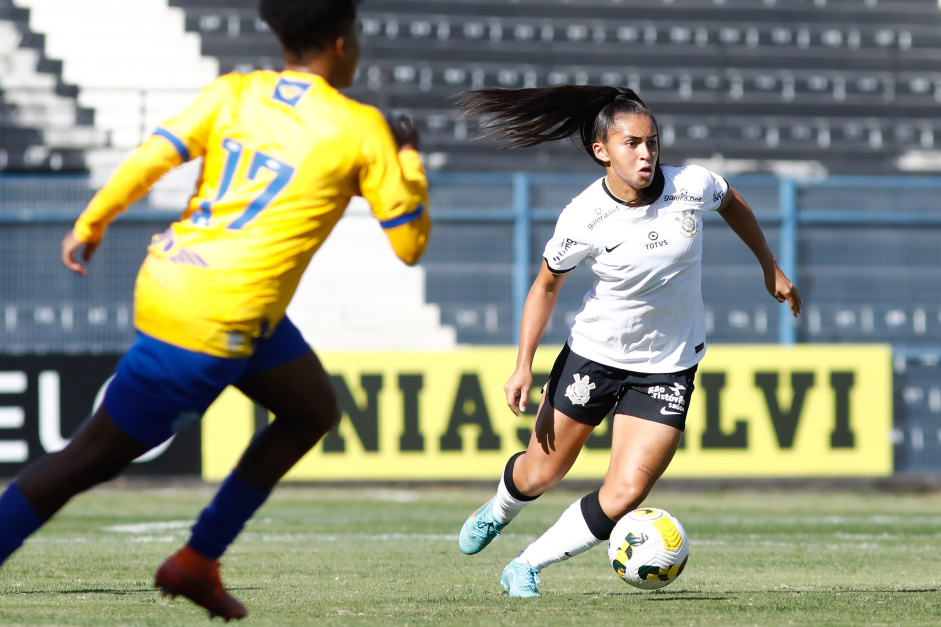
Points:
(42, 127)
(356, 294)
(133, 62)
(841, 82)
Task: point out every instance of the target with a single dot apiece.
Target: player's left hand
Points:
(783, 290)
(70, 246)
(404, 131)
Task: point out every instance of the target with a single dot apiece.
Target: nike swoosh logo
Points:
(667, 412)
(607, 250)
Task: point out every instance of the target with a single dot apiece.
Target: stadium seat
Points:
(43, 129)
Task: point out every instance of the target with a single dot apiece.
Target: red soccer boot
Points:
(189, 574)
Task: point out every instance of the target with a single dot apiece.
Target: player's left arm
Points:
(738, 215)
(410, 238)
(393, 181)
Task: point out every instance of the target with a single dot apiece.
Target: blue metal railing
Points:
(787, 216)
(521, 201)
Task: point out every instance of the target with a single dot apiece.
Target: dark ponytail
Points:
(532, 116)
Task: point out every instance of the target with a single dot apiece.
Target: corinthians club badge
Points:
(688, 224)
(580, 391)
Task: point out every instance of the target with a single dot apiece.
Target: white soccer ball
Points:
(648, 548)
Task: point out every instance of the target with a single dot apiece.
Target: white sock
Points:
(568, 537)
(505, 506)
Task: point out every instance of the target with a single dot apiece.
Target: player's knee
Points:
(536, 478)
(620, 496)
(311, 423)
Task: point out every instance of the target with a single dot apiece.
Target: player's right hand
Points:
(70, 246)
(517, 390)
(404, 131)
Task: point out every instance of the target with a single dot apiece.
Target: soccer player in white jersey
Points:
(636, 341)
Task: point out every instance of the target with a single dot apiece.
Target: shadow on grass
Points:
(692, 595)
(147, 590)
(680, 595)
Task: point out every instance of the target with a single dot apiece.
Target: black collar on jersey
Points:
(650, 194)
(604, 186)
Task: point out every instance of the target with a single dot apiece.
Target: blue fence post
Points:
(787, 254)
(522, 222)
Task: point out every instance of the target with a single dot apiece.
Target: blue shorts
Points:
(158, 389)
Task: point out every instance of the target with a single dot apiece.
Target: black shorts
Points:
(586, 391)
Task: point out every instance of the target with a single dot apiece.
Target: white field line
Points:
(743, 542)
(148, 527)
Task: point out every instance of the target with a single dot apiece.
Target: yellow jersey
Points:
(283, 153)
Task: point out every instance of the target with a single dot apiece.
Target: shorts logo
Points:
(674, 397)
(580, 391)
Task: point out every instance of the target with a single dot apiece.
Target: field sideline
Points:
(388, 556)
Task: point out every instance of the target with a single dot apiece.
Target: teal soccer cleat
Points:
(479, 530)
(520, 579)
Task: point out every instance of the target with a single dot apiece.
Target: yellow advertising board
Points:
(758, 411)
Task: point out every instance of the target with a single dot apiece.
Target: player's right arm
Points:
(393, 181)
(537, 312)
(151, 160)
(178, 140)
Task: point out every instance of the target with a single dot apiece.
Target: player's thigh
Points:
(649, 421)
(643, 447)
(297, 391)
(577, 396)
(641, 450)
(554, 446)
(286, 377)
(158, 389)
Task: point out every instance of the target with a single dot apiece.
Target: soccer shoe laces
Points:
(488, 528)
(519, 580)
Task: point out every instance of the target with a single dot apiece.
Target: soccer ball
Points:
(648, 548)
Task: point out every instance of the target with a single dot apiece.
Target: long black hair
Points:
(532, 116)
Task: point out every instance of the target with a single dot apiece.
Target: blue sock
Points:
(220, 523)
(18, 521)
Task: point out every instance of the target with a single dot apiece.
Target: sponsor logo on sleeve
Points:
(566, 246)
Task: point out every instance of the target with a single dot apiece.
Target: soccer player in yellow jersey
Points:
(283, 153)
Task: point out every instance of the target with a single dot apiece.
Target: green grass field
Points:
(375, 556)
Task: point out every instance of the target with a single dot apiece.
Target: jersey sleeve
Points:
(393, 182)
(568, 245)
(715, 188)
(133, 178)
(189, 131)
(395, 185)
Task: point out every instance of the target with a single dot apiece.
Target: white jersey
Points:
(645, 312)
